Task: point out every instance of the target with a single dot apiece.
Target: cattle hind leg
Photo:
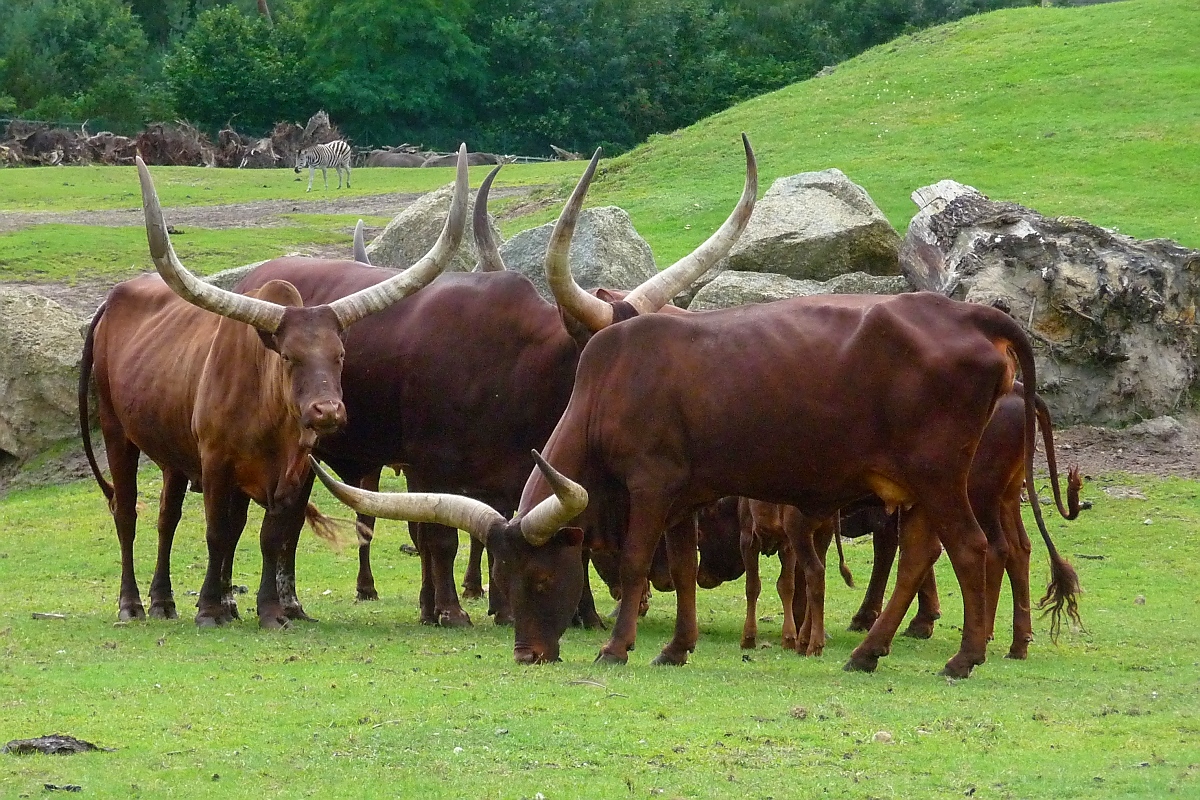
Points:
(170, 511)
(919, 550)
(681, 558)
(123, 463)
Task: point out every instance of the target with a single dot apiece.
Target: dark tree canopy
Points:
(505, 75)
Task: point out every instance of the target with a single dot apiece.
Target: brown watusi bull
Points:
(459, 382)
(232, 401)
(814, 402)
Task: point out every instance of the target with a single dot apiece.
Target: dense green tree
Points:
(235, 68)
(78, 59)
(394, 69)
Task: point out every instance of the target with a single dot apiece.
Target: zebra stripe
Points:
(323, 156)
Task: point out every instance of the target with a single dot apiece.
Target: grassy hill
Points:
(1090, 112)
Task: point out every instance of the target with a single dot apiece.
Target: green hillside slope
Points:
(1091, 112)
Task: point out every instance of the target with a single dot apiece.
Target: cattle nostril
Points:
(327, 414)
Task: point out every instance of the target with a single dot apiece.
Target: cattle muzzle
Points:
(325, 417)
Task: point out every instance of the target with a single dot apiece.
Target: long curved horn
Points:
(658, 291)
(354, 307)
(568, 501)
(463, 513)
(485, 243)
(360, 247)
(261, 314)
(587, 308)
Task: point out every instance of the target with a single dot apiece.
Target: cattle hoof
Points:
(919, 630)
(861, 624)
(209, 621)
(472, 593)
(958, 668)
(448, 619)
(667, 659)
(132, 613)
(751, 642)
(1018, 653)
(297, 613)
(274, 622)
(163, 611)
(606, 657)
(503, 619)
(861, 663)
(590, 622)
(363, 595)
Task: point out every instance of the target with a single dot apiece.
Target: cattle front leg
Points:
(681, 559)
(220, 501)
(884, 544)
(587, 616)
(275, 581)
(919, 549)
(929, 609)
(364, 585)
(750, 557)
(440, 543)
(170, 511)
(646, 524)
(785, 587)
(291, 525)
(809, 543)
(472, 585)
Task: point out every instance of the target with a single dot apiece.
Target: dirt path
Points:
(257, 214)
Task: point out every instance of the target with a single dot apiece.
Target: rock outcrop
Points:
(734, 288)
(413, 231)
(1112, 318)
(40, 347)
(606, 251)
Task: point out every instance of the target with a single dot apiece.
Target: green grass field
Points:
(367, 703)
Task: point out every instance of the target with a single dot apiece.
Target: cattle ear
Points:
(269, 341)
(606, 295)
(571, 537)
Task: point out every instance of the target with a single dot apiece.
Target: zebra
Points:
(335, 154)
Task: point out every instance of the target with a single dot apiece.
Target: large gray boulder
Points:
(814, 226)
(1112, 318)
(606, 251)
(734, 288)
(40, 349)
(414, 230)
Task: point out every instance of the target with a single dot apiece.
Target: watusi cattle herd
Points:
(608, 427)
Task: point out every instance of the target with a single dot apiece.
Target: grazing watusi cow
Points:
(390, 158)
(814, 402)
(229, 392)
(995, 484)
(459, 382)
